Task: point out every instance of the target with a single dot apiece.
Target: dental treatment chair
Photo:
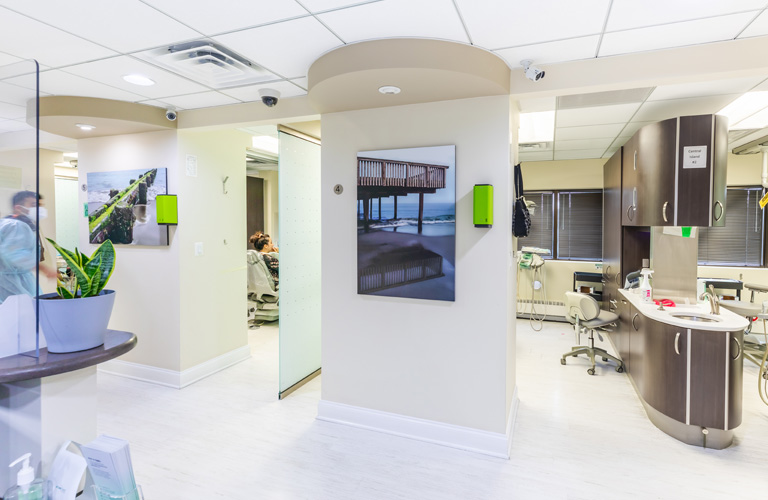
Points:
(583, 312)
(263, 299)
(753, 350)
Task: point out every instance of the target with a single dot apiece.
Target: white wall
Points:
(213, 303)
(449, 362)
(146, 279)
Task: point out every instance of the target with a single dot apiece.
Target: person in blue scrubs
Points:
(19, 252)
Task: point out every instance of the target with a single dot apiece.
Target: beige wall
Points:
(563, 174)
(146, 279)
(212, 287)
(449, 362)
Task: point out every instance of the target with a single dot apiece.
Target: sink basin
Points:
(695, 317)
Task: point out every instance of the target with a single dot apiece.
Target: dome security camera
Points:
(269, 96)
(170, 114)
(531, 72)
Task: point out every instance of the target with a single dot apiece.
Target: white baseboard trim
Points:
(173, 378)
(454, 436)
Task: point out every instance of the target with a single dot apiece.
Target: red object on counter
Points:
(664, 302)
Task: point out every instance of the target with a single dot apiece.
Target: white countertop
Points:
(726, 321)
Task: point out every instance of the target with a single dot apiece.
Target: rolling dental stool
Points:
(583, 312)
(753, 351)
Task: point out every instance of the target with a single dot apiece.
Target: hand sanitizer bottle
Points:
(27, 487)
(645, 287)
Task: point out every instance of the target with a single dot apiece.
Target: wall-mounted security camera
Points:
(269, 96)
(170, 114)
(531, 72)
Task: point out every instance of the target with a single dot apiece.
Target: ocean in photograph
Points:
(403, 256)
(121, 207)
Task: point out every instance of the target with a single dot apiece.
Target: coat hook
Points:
(224, 184)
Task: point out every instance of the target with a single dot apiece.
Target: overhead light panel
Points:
(139, 80)
(85, 126)
(389, 90)
(744, 107)
(537, 127)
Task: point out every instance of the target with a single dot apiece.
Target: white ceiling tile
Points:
(26, 38)
(8, 59)
(588, 132)
(582, 144)
(229, 15)
(626, 14)
(703, 89)
(620, 141)
(58, 82)
(674, 35)
(13, 94)
(537, 104)
(122, 25)
(12, 111)
(251, 92)
(759, 26)
(538, 156)
(13, 126)
(580, 154)
(610, 152)
(494, 25)
(321, 5)
(552, 52)
(111, 71)
(287, 48)
(302, 82)
(599, 115)
(630, 129)
(761, 86)
(397, 18)
(661, 110)
(201, 100)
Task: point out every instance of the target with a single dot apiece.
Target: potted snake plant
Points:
(76, 317)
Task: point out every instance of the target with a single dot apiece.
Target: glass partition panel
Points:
(299, 243)
(20, 210)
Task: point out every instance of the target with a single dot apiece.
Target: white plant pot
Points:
(71, 325)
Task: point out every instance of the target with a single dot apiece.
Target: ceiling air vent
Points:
(208, 63)
(531, 147)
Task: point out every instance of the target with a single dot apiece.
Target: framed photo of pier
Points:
(121, 207)
(406, 223)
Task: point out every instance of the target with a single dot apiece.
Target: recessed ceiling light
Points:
(138, 80)
(537, 127)
(745, 106)
(85, 126)
(389, 89)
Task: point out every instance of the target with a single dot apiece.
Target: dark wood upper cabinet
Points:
(674, 173)
(612, 279)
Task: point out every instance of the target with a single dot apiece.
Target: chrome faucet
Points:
(714, 303)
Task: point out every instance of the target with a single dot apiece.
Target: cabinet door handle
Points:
(614, 302)
(664, 211)
(722, 211)
(633, 321)
(618, 279)
(737, 345)
(632, 209)
(623, 301)
(634, 161)
(677, 343)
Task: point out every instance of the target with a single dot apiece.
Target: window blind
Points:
(580, 225)
(740, 241)
(542, 222)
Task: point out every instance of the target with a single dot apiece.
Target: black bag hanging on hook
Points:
(521, 218)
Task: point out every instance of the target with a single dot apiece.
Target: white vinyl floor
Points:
(576, 437)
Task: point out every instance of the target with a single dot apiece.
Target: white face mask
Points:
(32, 213)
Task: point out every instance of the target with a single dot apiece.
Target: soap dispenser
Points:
(645, 287)
(27, 487)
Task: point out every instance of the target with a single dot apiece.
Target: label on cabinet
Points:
(695, 157)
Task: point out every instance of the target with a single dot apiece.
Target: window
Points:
(740, 241)
(580, 225)
(579, 216)
(542, 222)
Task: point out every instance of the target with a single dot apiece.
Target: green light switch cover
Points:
(167, 209)
(482, 215)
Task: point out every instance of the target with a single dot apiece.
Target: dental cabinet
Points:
(673, 173)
